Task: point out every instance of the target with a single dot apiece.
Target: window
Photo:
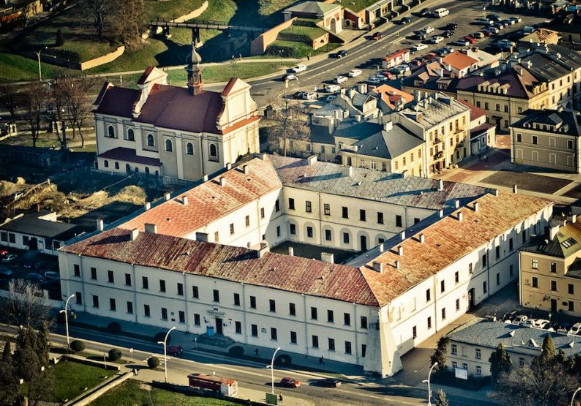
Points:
(478, 353)
(253, 302)
(197, 320)
(478, 370)
(553, 267)
(521, 362)
(77, 270)
(309, 232)
(570, 144)
(328, 235)
(262, 212)
(442, 286)
(454, 349)
(363, 350)
(347, 319)
(278, 231)
(428, 295)
(163, 313)
(398, 222)
(345, 238)
(213, 151)
(238, 327)
(293, 337)
(497, 279)
(535, 282)
(112, 305)
(535, 140)
(308, 207)
(161, 285)
(484, 287)
(277, 206)
(150, 140)
(315, 341)
(454, 364)
(330, 316)
(314, 313)
(535, 264)
(364, 322)
(571, 306)
(443, 313)
(518, 137)
(456, 277)
(291, 203)
(168, 146)
(273, 334)
(293, 229)
(236, 299)
(429, 323)
(254, 330)
(571, 289)
(231, 228)
(216, 295)
(362, 216)
(414, 332)
(189, 148)
(272, 305)
(345, 212)
(510, 244)
(110, 277)
(327, 209)
(457, 304)
(78, 298)
(247, 221)
(94, 273)
(130, 307)
(144, 282)
(347, 347)
(379, 218)
(127, 279)
(331, 344)
(111, 131)
(553, 286)
(292, 309)
(146, 311)
(497, 252)
(484, 260)
(96, 301)
(195, 292)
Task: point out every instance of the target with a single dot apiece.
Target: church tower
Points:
(194, 72)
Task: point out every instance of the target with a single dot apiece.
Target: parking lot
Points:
(31, 266)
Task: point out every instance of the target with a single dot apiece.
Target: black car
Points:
(448, 33)
(425, 12)
(405, 20)
(341, 54)
(451, 26)
(330, 382)
(298, 95)
(493, 17)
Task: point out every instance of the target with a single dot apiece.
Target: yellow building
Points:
(550, 269)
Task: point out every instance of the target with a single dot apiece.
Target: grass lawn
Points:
(309, 33)
(131, 393)
(268, 7)
(16, 68)
(358, 5)
(293, 49)
(72, 378)
(170, 10)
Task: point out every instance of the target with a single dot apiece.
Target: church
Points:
(174, 132)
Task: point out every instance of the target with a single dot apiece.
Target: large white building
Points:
(168, 264)
(174, 132)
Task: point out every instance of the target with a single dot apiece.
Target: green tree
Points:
(439, 355)
(441, 399)
(500, 363)
(7, 353)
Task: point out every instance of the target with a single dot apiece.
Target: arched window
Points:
(213, 151)
(168, 146)
(190, 148)
(130, 135)
(150, 142)
(106, 163)
(111, 132)
(147, 170)
(116, 165)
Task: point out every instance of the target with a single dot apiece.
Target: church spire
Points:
(194, 72)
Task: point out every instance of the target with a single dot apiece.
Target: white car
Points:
(298, 68)
(332, 88)
(436, 39)
(402, 68)
(290, 76)
(539, 323)
(353, 73)
(576, 329)
(428, 29)
(340, 79)
(418, 47)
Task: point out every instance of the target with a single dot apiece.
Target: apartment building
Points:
(470, 347)
(174, 132)
(550, 269)
(548, 139)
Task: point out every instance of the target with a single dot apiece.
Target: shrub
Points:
(77, 345)
(283, 360)
(236, 351)
(153, 362)
(114, 354)
(160, 337)
(114, 327)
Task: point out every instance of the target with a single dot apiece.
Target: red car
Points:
(3, 252)
(174, 350)
(470, 39)
(290, 382)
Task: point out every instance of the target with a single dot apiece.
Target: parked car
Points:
(290, 382)
(174, 350)
(402, 68)
(515, 19)
(290, 76)
(508, 21)
(528, 30)
(298, 68)
(493, 17)
(482, 20)
(340, 54)
(353, 73)
(298, 95)
(3, 252)
(492, 29)
(540, 323)
(51, 275)
(451, 26)
(448, 33)
(505, 44)
(521, 318)
(428, 29)
(576, 329)
(332, 88)
(425, 12)
(461, 42)
(340, 79)
(510, 315)
(6, 273)
(330, 382)
(470, 39)
(309, 95)
(9, 257)
(478, 35)
(436, 39)
(377, 36)
(418, 47)
(35, 277)
(487, 32)
(374, 80)
(405, 20)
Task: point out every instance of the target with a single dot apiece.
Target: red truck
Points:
(213, 383)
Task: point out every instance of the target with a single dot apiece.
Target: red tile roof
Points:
(459, 60)
(129, 155)
(210, 201)
(475, 112)
(288, 273)
(391, 95)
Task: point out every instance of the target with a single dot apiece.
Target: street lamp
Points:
(164, 343)
(573, 398)
(428, 382)
(66, 312)
(39, 68)
(271, 366)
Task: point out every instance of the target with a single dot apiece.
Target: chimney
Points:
(440, 185)
(246, 169)
(222, 181)
(476, 206)
(350, 171)
(456, 203)
(201, 236)
(388, 126)
(515, 189)
(396, 264)
(167, 196)
(402, 235)
(362, 88)
(496, 192)
(381, 247)
(422, 238)
(291, 251)
(328, 257)
(205, 178)
(460, 215)
(553, 232)
(100, 225)
(573, 218)
(150, 228)
(147, 206)
(311, 160)
(400, 250)
(228, 166)
(441, 213)
(264, 248)
(378, 266)
(185, 200)
(134, 234)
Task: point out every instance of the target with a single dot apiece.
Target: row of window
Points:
(128, 168)
(552, 141)
(554, 285)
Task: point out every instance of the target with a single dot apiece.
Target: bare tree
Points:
(9, 98)
(291, 122)
(101, 12)
(33, 101)
(130, 22)
(25, 305)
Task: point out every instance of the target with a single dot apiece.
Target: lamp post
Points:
(66, 312)
(428, 382)
(573, 398)
(272, 370)
(164, 343)
(39, 68)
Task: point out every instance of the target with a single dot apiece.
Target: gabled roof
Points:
(356, 130)
(475, 112)
(388, 144)
(459, 60)
(313, 7)
(31, 224)
(519, 80)
(433, 109)
(567, 242)
(174, 254)
(117, 101)
(553, 121)
(392, 96)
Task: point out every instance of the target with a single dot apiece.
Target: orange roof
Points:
(448, 240)
(391, 95)
(209, 201)
(459, 60)
(396, 54)
(475, 112)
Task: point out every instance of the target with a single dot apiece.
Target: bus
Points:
(225, 386)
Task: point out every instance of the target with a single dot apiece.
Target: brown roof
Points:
(144, 75)
(229, 86)
(288, 273)
(129, 155)
(519, 80)
(459, 60)
(448, 240)
(209, 201)
(117, 101)
(475, 112)
(391, 95)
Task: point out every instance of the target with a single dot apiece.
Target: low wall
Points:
(89, 397)
(259, 45)
(193, 14)
(111, 56)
